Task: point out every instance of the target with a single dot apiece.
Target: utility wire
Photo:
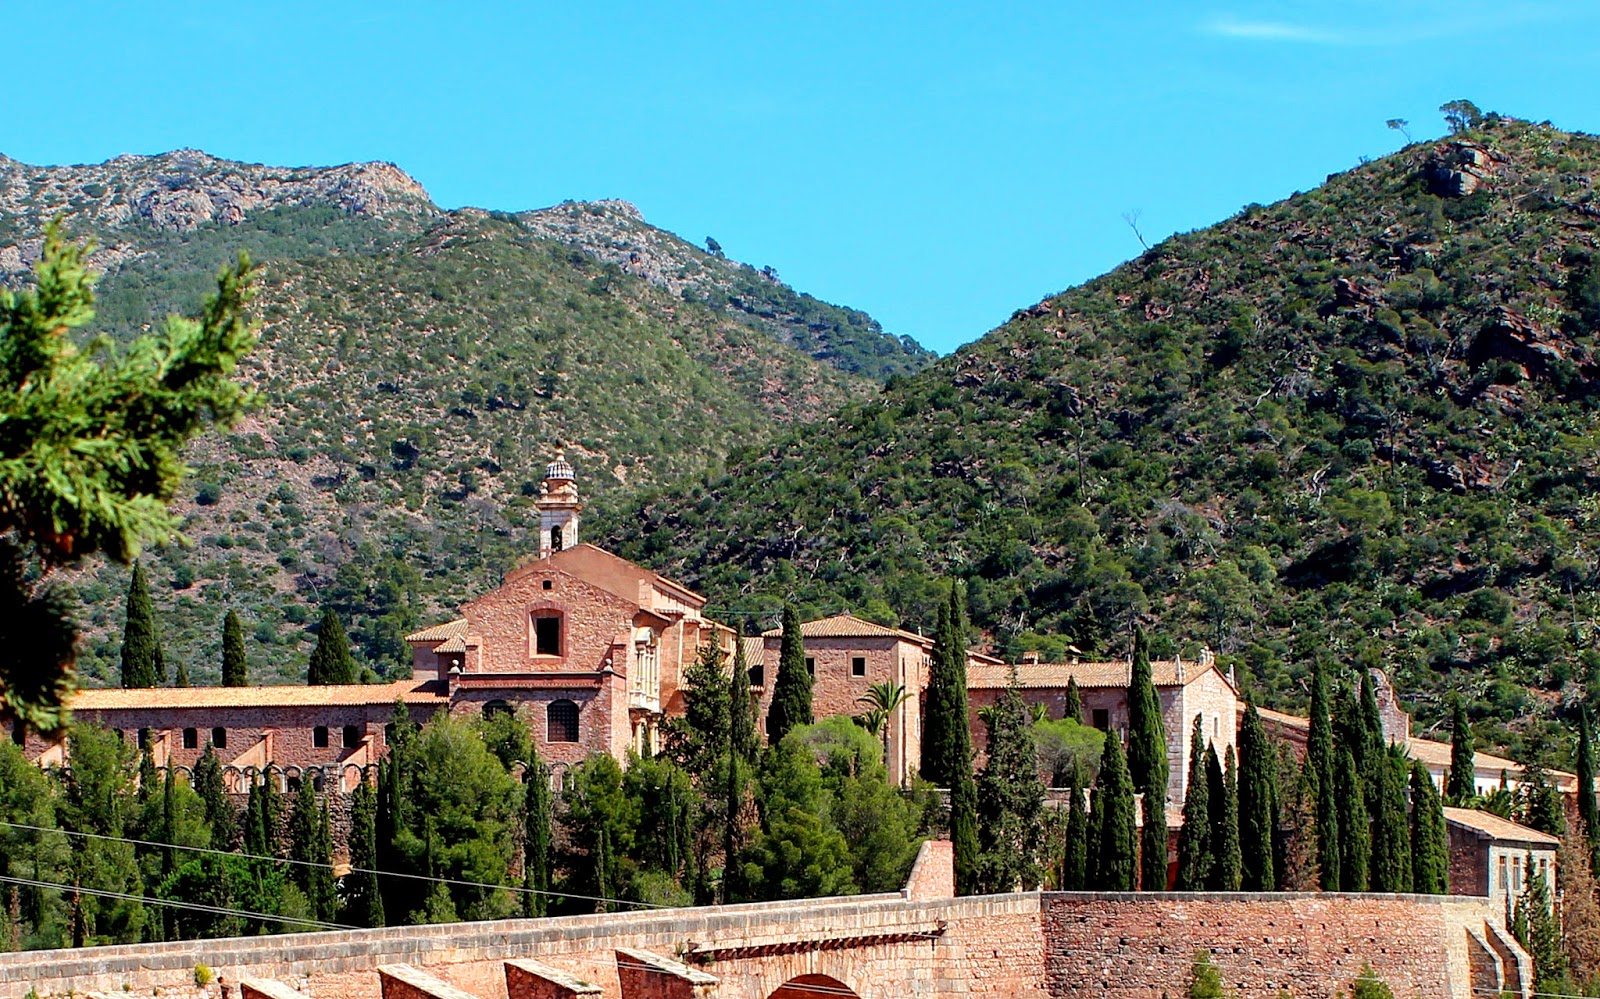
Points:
(173, 903)
(313, 863)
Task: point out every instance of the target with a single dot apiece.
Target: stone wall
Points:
(1138, 946)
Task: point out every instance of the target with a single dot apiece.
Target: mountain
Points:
(416, 369)
(1358, 424)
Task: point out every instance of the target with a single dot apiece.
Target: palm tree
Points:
(881, 700)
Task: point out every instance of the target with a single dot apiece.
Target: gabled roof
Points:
(1089, 675)
(283, 695)
(615, 569)
(440, 632)
(847, 625)
(1492, 826)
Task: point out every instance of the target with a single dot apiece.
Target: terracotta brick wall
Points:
(933, 875)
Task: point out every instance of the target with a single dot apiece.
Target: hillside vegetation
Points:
(416, 370)
(1357, 424)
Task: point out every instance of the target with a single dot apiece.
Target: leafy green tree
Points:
(1391, 832)
(1430, 845)
(97, 798)
(702, 737)
(1534, 924)
(1355, 837)
(1205, 982)
(400, 831)
(331, 662)
(1075, 855)
(880, 823)
(1010, 801)
(1195, 854)
(537, 833)
(1147, 764)
(142, 664)
(1321, 768)
(1462, 787)
(311, 866)
(218, 809)
(663, 800)
(1369, 986)
(1539, 802)
(92, 450)
(507, 738)
(1461, 116)
(600, 820)
(791, 692)
(1588, 807)
(235, 667)
(28, 799)
(1258, 803)
(1064, 744)
(1115, 851)
(743, 721)
(946, 731)
(799, 852)
(363, 904)
(1225, 849)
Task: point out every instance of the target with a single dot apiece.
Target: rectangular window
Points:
(319, 737)
(858, 666)
(144, 737)
(219, 737)
(351, 736)
(191, 738)
(1102, 719)
(758, 674)
(811, 665)
(1505, 883)
(547, 636)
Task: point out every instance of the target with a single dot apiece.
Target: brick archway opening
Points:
(814, 987)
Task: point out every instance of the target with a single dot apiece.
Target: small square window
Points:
(191, 738)
(319, 737)
(811, 665)
(858, 666)
(219, 737)
(548, 584)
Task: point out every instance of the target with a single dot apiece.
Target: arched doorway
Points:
(814, 987)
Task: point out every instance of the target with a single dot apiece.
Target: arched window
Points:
(555, 539)
(496, 707)
(561, 719)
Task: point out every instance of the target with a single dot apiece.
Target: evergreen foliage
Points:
(1114, 855)
(1073, 701)
(700, 739)
(1205, 982)
(221, 818)
(1301, 850)
(1075, 851)
(331, 662)
(91, 454)
(1461, 789)
(363, 904)
(1430, 843)
(743, 723)
(1584, 765)
(1539, 802)
(1355, 835)
(791, 693)
(1010, 801)
(1147, 764)
(180, 676)
(964, 842)
(1535, 927)
(1392, 863)
(1321, 769)
(1258, 803)
(142, 665)
(1369, 986)
(235, 667)
(1226, 871)
(1195, 856)
(537, 831)
(311, 858)
(946, 735)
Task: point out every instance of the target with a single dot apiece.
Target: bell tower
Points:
(558, 507)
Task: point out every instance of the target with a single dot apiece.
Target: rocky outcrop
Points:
(1458, 169)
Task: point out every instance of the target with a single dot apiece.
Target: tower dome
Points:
(558, 507)
(559, 469)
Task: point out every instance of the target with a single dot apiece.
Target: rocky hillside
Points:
(1356, 424)
(416, 369)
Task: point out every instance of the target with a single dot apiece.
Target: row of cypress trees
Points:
(144, 663)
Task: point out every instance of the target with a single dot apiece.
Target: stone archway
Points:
(814, 987)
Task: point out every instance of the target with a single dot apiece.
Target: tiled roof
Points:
(1113, 674)
(847, 625)
(114, 698)
(1495, 827)
(754, 648)
(440, 632)
(456, 643)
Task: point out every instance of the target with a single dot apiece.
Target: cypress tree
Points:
(311, 862)
(602, 870)
(1534, 924)
(1462, 787)
(1320, 769)
(363, 906)
(1355, 839)
(946, 737)
(1225, 827)
(1298, 871)
(1194, 839)
(1073, 708)
(169, 821)
(1258, 804)
(1430, 847)
(330, 660)
(180, 678)
(1541, 802)
(148, 777)
(791, 693)
(1391, 832)
(1115, 865)
(1588, 807)
(1075, 857)
(1147, 765)
(536, 838)
(1371, 717)
(964, 831)
(142, 665)
(733, 888)
(220, 816)
(1010, 800)
(741, 708)
(235, 668)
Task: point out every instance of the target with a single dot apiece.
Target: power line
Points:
(353, 870)
(173, 903)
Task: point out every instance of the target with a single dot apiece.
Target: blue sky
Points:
(938, 165)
